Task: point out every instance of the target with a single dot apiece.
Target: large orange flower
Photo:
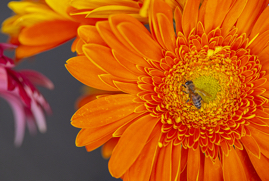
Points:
(222, 47)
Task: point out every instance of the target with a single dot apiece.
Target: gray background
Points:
(52, 156)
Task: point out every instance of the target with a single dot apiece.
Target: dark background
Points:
(51, 156)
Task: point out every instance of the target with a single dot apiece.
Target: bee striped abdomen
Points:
(196, 100)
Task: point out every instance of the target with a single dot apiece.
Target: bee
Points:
(194, 94)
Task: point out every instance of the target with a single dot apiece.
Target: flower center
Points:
(209, 85)
(202, 93)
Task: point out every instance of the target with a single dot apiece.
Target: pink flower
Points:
(17, 87)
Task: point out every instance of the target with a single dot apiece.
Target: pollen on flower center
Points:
(209, 85)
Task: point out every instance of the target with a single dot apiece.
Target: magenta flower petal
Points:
(37, 78)
(19, 116)
(18, 88)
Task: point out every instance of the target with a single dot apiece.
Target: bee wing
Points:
(201, 92)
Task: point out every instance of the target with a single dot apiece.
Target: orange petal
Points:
(74, 44)
(201, 170)
(89, 34)
(212, 171)
(87, 73)
(102, 57)
(97, 3)
(262, 114)
(264, 129)
(218, 10)
(232, 167)
(178, 20)
(261, 24)
(96, 144)
(246, 163)
(190, 16)
(144, 163)
(193, 164)
(104, 111)
(143, 44)
(130, 145)
(167, 31)
(158, 7)
(88, 135)
(115, 20)
(202, 10)
(262, 140)
(108, 147)
(249, 15)
(251, 145)
(163, 161)
(184, 159)
(59, 7)
(263, 57)
(122, 128)
(162, 24)
(24, 51)
(260, 165)
(232, 16)
(48, 32)
(108, 36)
(127, 64)
(176, 155)
(259, 43)
(131, 88)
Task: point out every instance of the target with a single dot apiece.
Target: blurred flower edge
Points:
(18, 89)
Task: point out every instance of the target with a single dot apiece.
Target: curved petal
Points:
(19, 116)
(261, 24)
(130, 88)
(232, 16)
(159, 7)
(48, 32)
(108, 36)
(60, 7)
(89, 34)
(26, 51)
(163, 163)
(108, 147)
(190, 16)
(249, 15)
(176, 155)
(130, 145)
(262, 140)
(246, 163)
(212, 171)
(193, 164)
(103, 58)
(217, 9)
(37, 78)
(97, 143)
(141, 43)
(104, 111)
(232, 167)
(88, 135)
(252, 146)
(144, 163)
(87, 73)
(260, 165)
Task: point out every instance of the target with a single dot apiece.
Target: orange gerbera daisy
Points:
(218, 57)
(39, 25)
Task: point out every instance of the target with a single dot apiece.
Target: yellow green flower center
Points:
(208, 84)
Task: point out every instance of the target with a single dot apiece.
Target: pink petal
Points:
(37, 78)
